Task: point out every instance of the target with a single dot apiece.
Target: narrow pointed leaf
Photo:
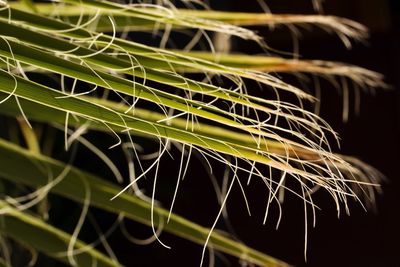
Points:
(31, 231)
(76, 182)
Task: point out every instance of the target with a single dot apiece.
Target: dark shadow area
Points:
(364, 238)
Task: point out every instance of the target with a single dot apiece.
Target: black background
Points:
(364, 238)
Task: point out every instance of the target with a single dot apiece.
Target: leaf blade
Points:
(101, 192)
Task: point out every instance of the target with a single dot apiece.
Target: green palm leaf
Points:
(167, 96)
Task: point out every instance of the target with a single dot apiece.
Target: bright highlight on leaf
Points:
(78, 67)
